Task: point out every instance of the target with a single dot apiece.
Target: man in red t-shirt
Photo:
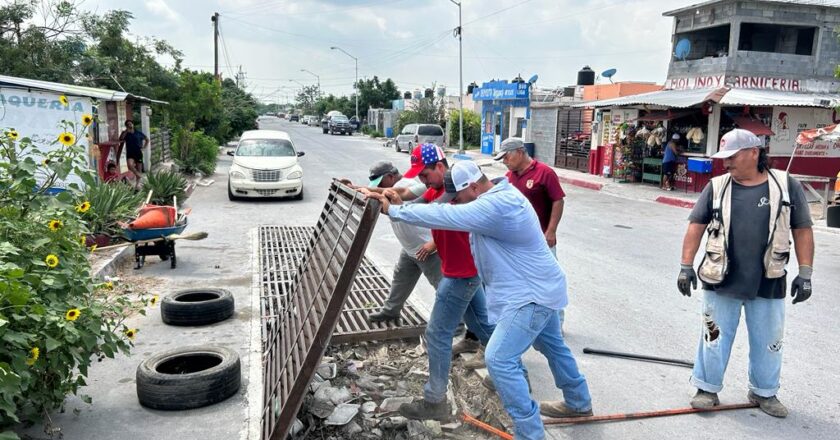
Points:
(459, 296)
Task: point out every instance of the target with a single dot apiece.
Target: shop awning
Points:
(665, 115)
(72, 90)
(666, 98)
(772, 98)
(756, 127)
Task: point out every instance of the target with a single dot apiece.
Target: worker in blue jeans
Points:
(525, 289)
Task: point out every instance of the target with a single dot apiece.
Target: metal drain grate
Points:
(284, 247)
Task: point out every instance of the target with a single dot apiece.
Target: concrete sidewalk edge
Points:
(254, 391)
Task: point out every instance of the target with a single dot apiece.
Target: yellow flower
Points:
(12, 134)
(72, 314)
(55, 225)
(63, 100)
(131, 333)
(154, 300)
(83, 240)
(33, 356)
(93, 249)
(83, 207)
(51, 260)
(108, 284)
(87, 120)
(67, 139)
(45, 162)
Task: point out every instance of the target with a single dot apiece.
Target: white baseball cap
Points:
(459, 177)
(735, 141)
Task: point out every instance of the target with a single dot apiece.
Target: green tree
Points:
(307, 99)
(239, 108)
(376, 94)
(342, 103)
(472, 128)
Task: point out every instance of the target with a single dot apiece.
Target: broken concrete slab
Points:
(392, 404)
(342, 414)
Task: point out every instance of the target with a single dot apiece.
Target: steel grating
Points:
(368, 294)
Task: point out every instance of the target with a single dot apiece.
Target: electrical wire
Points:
(496, 12)
(225, 51)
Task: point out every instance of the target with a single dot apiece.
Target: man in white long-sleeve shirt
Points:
(525, 285)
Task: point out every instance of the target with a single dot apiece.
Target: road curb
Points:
(582, 183)
(108, 267)
(674, 201)
(255, 388)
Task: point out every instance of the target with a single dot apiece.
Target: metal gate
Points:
(297, 339)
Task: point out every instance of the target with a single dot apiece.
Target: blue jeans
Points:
(765, 326)
(515, 332)
(455, 299)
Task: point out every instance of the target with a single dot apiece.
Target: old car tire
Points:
(188, 377)
(231, 197)
(197, 306)
(300, 195)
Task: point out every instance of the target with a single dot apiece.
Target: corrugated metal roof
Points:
(776, 98)
(667, 98)
(72, 90)
(822, 3)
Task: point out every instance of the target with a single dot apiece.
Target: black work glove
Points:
(687, 279)
(800, 288)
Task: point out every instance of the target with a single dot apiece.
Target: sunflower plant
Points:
(55, 320)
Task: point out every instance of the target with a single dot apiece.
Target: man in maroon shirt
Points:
(540, 185)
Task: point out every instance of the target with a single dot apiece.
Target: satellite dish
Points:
(533, 79)
(682, 49)
(609, 74)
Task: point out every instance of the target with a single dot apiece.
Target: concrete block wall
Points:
(544, 133)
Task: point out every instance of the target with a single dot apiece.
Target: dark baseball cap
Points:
(379, 170)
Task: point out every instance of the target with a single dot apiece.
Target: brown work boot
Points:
(488, 383)
(465, 346)
(425, 410)
(476, 361)
(770, 405)
(383, 317)
(558, 410)
(704, 400)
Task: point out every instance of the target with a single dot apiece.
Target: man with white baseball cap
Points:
(525, 286)
(749, 214)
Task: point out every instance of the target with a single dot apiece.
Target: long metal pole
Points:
(460, 84)
(356, 86)
(645, 415)
(215, 20)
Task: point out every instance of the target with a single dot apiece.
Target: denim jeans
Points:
(515, 332)
(406, 274)
(765, 325)
(456, 299)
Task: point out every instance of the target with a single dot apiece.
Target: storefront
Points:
(504, 112)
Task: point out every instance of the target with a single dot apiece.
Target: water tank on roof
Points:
(407, 95)
(441, 91)
(586, 76)
(471, 87)
(569, 91)
(428, 93)
(418, 94)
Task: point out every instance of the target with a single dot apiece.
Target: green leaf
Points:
(17, 296)
(8, 435)
(3, 322)
(109, 352)
(52, 344)
(40, 242)
(17, 338)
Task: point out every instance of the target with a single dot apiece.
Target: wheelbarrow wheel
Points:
(192, 307)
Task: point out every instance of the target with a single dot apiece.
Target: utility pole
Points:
(356, 84)
(240, 78)
(215, 20)
(459, 31)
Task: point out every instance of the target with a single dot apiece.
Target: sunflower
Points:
(55, 225)
(108, 285)
(63, 100)
(93, 249)
(154, 300)
(83, 207)
(33, 356)
(51, 260)
(72, 314)
(83, 240)
(131, 333)
(67, 139)
(12, 134)
(45, 162)
(87, 120)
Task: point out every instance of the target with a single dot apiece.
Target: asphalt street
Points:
(621, 257)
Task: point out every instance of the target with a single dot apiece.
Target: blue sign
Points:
(487, 141)
(500, 90)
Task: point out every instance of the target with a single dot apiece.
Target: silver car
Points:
(416, 134)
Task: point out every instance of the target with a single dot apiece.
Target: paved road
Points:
(621, 259)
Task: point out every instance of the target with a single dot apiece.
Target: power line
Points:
(264, 8)
(497, 12)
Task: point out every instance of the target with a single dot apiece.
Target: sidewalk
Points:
(632, 191)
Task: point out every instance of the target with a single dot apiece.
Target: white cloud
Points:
(161, 9)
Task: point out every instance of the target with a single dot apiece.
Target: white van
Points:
(416, 134)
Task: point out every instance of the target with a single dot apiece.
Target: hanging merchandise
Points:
(695, 135)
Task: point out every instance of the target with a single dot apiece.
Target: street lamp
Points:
(356, 84)
(318, 78)
(460, 81)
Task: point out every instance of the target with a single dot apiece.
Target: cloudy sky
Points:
(410, 41)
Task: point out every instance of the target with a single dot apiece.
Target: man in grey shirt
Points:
(745, 283)
(418, 254)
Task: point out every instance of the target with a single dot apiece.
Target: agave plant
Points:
(165, 185)
(110, 203)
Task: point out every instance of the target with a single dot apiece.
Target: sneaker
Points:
(465, 346)
(770, 405)
(476, 361)
(488, 383)
(423, 410)
(704, 400)
(383, 317)
(558, 410)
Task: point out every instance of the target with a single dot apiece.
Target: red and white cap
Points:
(735, 141)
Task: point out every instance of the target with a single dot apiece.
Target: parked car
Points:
(415, 134)
(340, 124)
(294, 118)
(265, 164)
(313, 121)
(325, 122)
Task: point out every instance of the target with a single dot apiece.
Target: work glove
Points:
(688, 279)
(800, 288)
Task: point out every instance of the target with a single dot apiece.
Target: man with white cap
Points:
(418, 254)
(525, 285)
(669, 162)
(749, 214)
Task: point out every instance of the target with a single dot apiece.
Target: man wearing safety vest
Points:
(749, 215)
